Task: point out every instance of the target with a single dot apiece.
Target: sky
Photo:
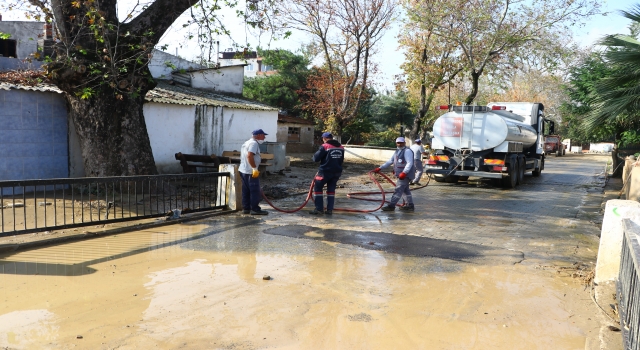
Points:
(390, 57)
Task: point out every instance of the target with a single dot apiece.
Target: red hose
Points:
(354, 195)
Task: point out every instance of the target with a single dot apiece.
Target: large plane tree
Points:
(101, 64)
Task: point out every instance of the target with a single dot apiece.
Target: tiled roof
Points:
(166, 93)
(294, 120)
(40, 87)
(178, 94)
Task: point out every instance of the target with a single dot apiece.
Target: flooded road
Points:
(407, 281)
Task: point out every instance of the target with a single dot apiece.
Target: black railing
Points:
(628, 286)
(39, 205)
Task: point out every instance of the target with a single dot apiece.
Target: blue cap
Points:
(400, 139)
(258, 132)
(327, 135)
(418, 140)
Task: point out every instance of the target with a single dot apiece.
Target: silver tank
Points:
(482, 130)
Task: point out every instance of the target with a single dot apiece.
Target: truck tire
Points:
(511, 181)
(439, 178)
(558, 153)
(451, 179)
(538, 171)
(463, 178)
(521, 167)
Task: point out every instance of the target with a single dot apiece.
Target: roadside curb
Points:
(604, 294)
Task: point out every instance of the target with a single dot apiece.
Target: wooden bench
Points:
(211, 162)
(234, 157)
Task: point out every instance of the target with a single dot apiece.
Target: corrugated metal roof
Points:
(40, 87)
(177, 94)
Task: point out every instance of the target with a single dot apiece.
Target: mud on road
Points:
(296, 179)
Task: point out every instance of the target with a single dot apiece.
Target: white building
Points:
(252, 63)
(192, 121)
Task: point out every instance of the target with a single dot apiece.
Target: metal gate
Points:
(39, 205)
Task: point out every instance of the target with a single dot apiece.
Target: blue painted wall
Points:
(33, 135)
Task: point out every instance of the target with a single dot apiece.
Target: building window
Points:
(267, 68)
(249, 67)
(294, 134)
(8, 48)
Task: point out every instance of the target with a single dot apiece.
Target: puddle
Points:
(202, 287)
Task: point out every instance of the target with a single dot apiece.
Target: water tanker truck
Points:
(500, 141)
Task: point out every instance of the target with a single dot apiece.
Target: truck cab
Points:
(553, 145)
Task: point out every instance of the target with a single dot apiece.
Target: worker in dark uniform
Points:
(331, 156)
(405, 171)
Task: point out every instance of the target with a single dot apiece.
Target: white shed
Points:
(194, 121)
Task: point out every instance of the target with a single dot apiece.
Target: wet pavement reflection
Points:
(202, 287)
(450, 276)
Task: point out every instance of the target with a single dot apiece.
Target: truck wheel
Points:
(521, 166)
(463, 178)
(511, 181)
(451, 179)
(538, 171)
(564, 151)
(558, 153)
(439, 178)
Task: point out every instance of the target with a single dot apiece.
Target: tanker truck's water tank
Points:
(482, 130)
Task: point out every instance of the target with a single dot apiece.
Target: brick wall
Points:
(33, 135)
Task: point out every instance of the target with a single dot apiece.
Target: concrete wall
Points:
(25, 33)
(201, 130)
(380, 154)
(305, 144)
(7, 63)
(225, 79)
(161, 64)
(33, 135)
(248, 71)
(601, 147)
(608, 264)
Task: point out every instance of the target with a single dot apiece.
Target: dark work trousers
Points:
(251, 196)
(331, 180)
(402, 188)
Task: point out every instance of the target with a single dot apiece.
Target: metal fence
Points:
(628, 286)
(40, 205)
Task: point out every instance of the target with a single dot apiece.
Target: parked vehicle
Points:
(501, 141)
(553, 145)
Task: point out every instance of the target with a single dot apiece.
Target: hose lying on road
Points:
(353, 195)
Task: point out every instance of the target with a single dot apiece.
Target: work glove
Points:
(255, 173)
(376, 170)
(402, 176)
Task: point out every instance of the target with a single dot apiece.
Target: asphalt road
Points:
(547, 218)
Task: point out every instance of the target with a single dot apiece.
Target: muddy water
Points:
(202, 287)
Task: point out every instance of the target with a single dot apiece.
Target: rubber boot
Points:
(319, 202)
(408, 207)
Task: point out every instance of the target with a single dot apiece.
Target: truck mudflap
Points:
(447, 172)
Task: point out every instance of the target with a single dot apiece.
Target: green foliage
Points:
(4, 36)
(630, 137)
(391, 109)
(616, 97)
(581, 89)
(280, 89)
(384, 138)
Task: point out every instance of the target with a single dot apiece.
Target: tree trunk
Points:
(113, 134)
(475, 76)
(420, 120)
